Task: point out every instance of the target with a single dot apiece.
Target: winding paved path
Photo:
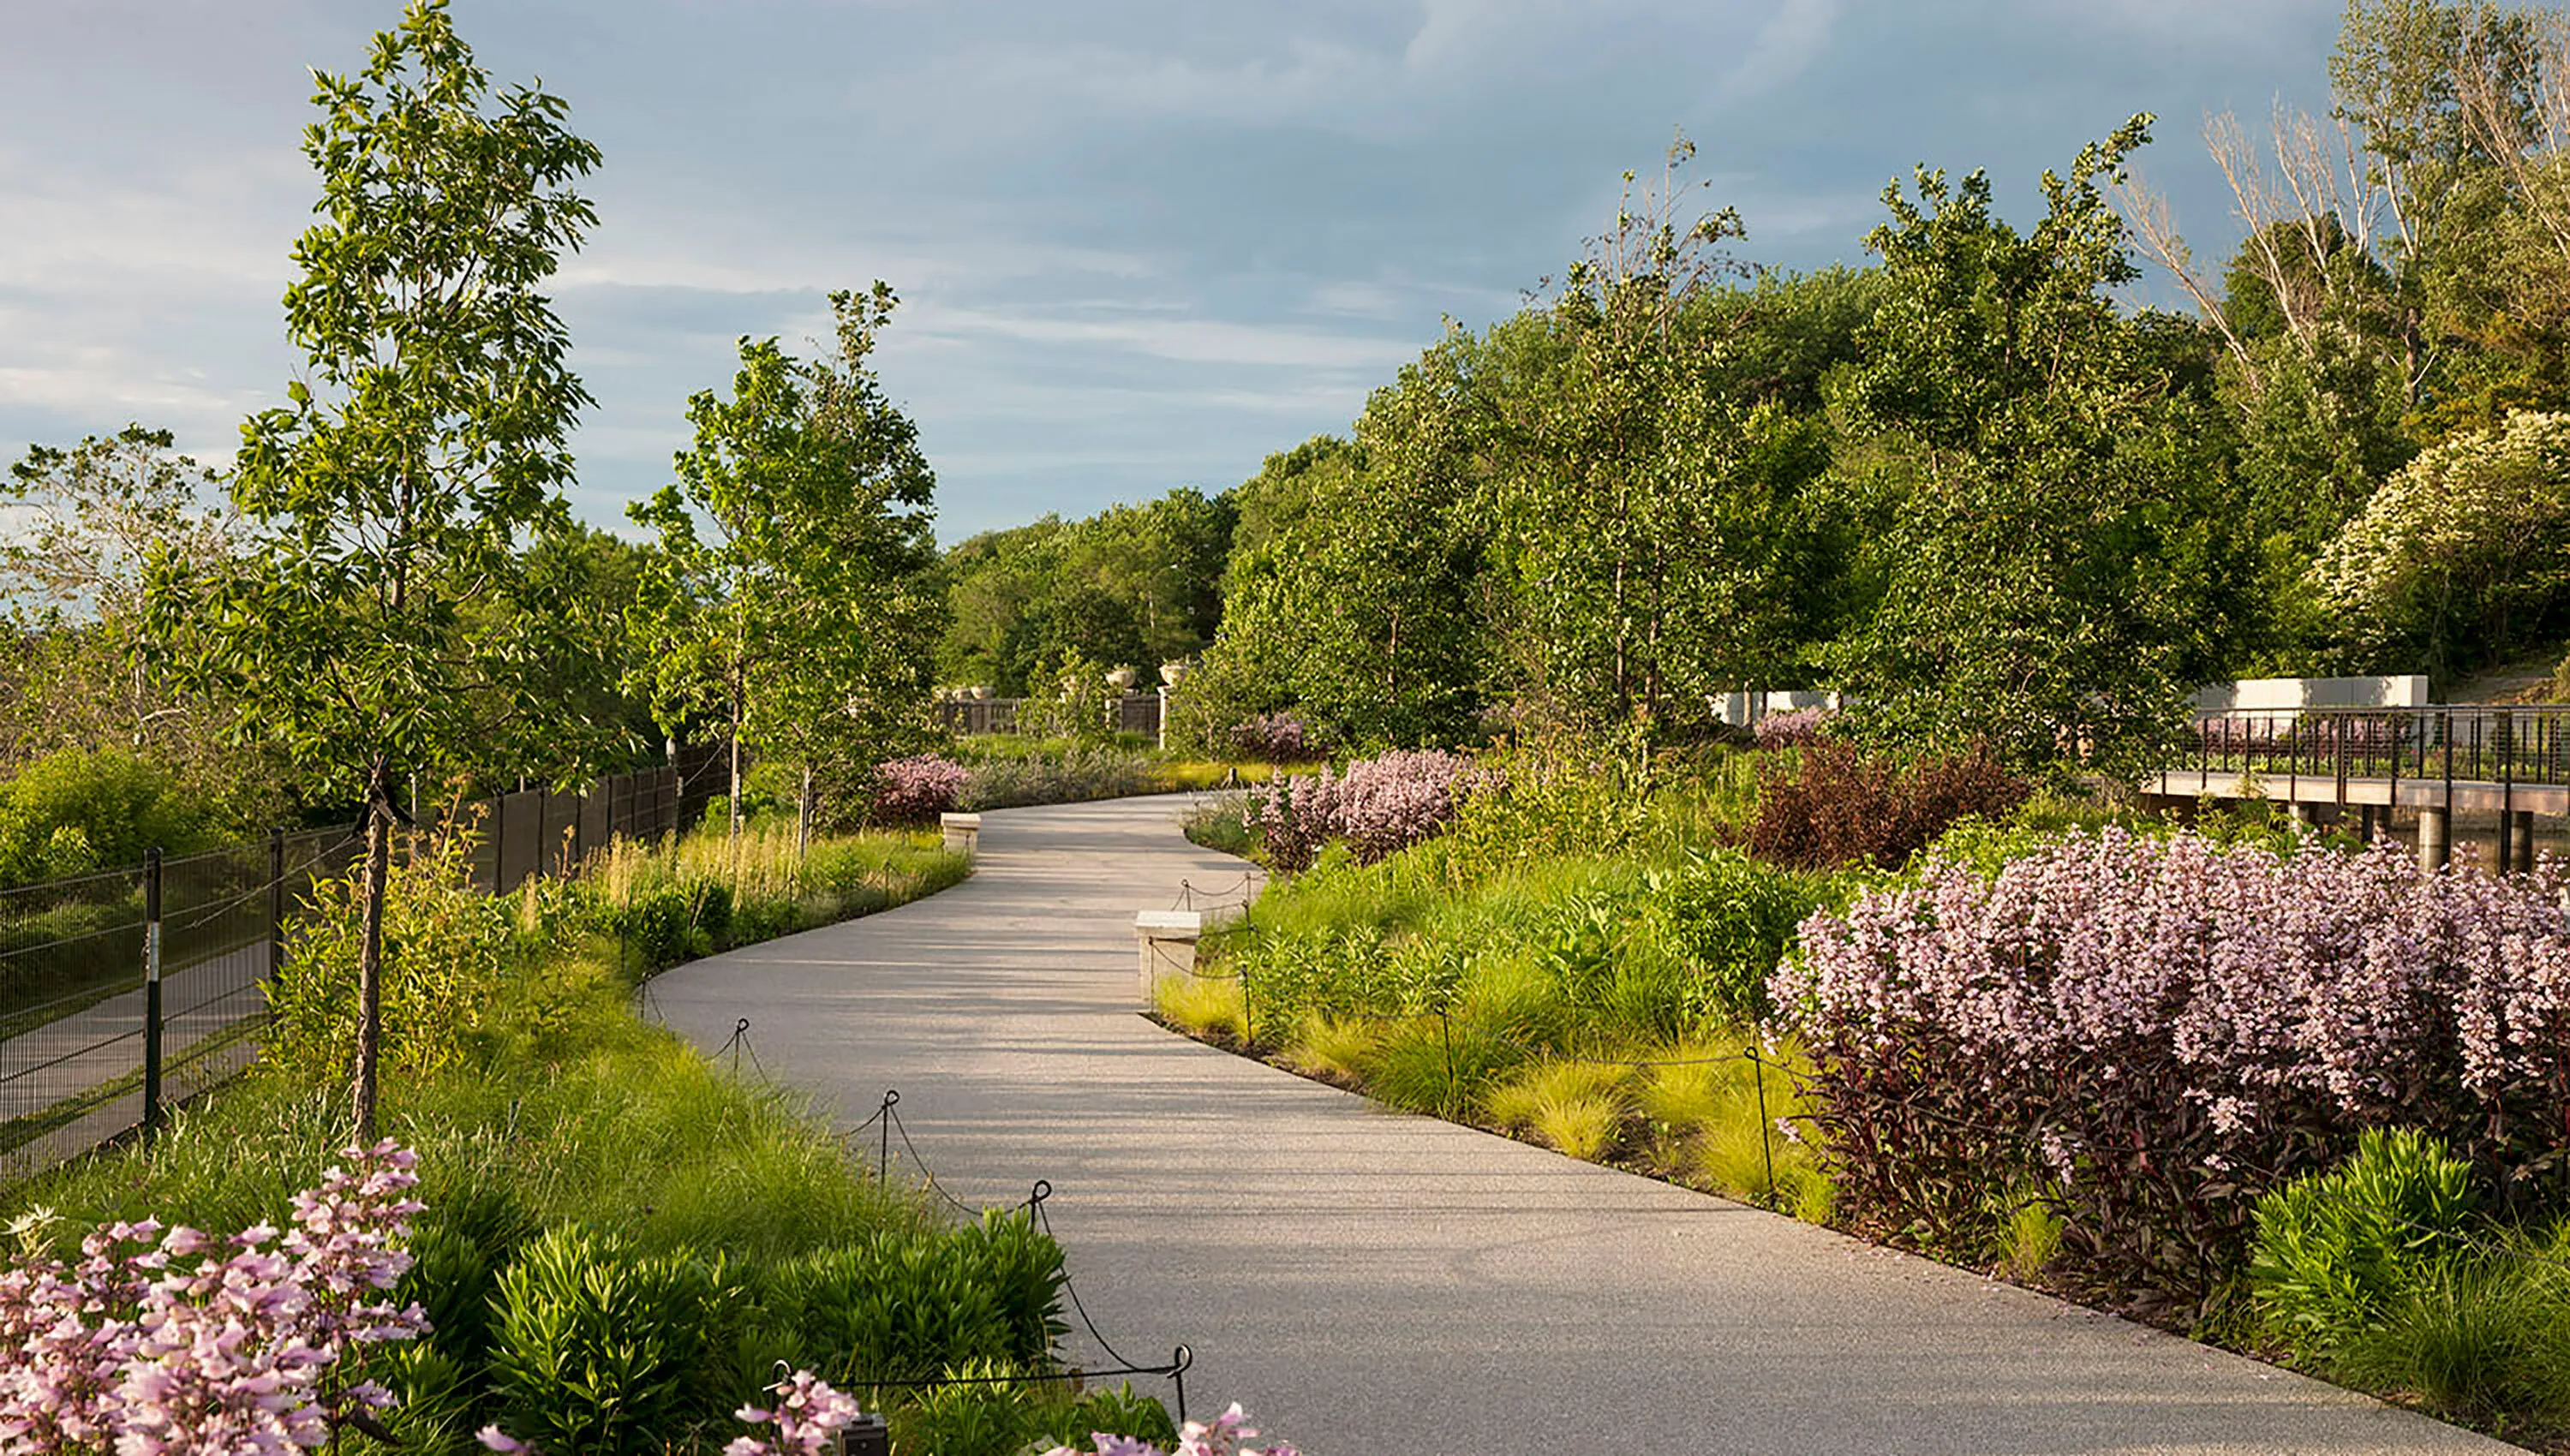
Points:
(1369, 1283)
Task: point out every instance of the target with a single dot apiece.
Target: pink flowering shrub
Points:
(1221, 1438)
(1389, 803)
(1799, 728)
(1272, 738)
(1382, 806)
(170, 1341)
(2157, 1030)
(1294, 816)
(917, 789)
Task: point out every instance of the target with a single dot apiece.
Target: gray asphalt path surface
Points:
(1368, 1282)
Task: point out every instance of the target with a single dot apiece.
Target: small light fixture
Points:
(867, 1435)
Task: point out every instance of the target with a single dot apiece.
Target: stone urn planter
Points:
(1121, 679)
(1173, 674)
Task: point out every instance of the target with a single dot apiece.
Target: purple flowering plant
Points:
(160, 1340)
(1797, 728)
(919, 787)
(1272, 738)
(2158, 1029)
(1381, 805)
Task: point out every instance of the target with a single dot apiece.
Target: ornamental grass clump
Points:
(2160, 1030)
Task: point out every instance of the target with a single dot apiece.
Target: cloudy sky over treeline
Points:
(1138, 244)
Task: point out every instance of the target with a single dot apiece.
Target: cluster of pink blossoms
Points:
(808, 1414)
(1794, 728)
(919, 787)
(160, 1342)
(1221, 1438)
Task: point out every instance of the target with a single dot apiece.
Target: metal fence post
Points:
(151, 991)
(275, 901)
(2505, 744)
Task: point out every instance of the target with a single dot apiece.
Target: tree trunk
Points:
(735, 769)
(370, 958)
(803, 814)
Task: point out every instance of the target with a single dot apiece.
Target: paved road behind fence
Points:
(1366, 1281)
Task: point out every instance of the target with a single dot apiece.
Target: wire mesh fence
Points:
(129, 990)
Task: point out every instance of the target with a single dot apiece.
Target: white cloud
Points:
(1791, 39)
(1183, 340)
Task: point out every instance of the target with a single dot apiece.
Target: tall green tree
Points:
(787, 596)
(2046, 576)
(1132, 586)
(427, 443)
(1650, 505)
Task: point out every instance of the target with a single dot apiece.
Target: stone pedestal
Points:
(963, 832)
(1166, 942)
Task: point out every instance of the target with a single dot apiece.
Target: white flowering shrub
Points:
(2457, 539)
(2157, 1030)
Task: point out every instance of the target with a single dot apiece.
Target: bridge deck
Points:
(2470, 796)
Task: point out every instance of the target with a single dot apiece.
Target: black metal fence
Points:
(1125, 713)
(124, 993)
(2527, 744)
(543, 832)
(127, 991)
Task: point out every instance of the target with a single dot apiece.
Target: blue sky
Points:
(1139, 245)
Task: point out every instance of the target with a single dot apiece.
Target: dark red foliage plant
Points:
(1836, 805)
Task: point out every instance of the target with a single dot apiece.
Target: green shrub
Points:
(75, 810)
(904, 1307)
(606, 1350)
(1074, 774)
(1728, 920)
(2334, 1249)
(659, 927)
(447, 950)
(1116, 1411)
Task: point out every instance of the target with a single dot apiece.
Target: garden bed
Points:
(1581, 961)
(620, 1237)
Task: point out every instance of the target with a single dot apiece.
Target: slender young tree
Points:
(425, 446)
(786, 597)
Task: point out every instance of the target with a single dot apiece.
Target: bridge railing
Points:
(2517, 744)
